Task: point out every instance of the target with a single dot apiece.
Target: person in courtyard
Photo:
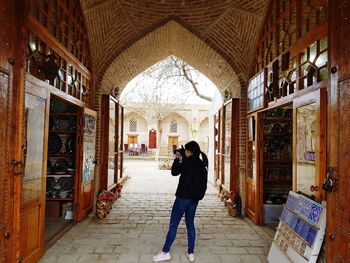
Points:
(191, 164)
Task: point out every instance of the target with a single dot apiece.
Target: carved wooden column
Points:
(338, 209)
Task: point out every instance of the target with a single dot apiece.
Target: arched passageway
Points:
(136, 228)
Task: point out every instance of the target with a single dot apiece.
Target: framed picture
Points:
(251, 128)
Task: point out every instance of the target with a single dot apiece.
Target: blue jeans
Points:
(180, 207)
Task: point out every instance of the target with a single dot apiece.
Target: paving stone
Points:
(136, 228)
(88, 258)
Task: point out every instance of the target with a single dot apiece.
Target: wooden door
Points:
(109, 143)
(120, 141)
(152, 139)
(132, 139)
(253, 180)
(309, 143)
(6, 200)
(11, 110)
(216, 147)
(338, 209)
(173, 141)
(33, 186)
(87, 161)
(230, 149)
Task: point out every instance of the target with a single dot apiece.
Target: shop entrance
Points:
(58, 181)
(286, 151)
(276, 164)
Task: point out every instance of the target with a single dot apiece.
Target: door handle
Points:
(20, 167)
(314, 188)
(7, 235)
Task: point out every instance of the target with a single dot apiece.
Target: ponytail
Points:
(204, 159)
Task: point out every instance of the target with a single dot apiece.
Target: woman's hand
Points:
(178, 155)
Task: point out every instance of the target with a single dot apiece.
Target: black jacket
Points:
(193, 178)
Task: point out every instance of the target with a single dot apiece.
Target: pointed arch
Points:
(170, 39)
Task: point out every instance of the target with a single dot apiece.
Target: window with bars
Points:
(132, 125)
(173, 127)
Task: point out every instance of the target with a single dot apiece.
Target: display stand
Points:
(300, 232)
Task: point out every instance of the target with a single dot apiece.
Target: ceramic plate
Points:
(66, 183)
(279, 113)
(50, 184)
(61, 165)
(58, 106)
(288, 128)
(288, 113)
(277, 128)
(267, 128)
(62, 124)
(55, 143)
(70, 144)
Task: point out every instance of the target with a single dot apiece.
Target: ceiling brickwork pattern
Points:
(123, 42)
(174, 39)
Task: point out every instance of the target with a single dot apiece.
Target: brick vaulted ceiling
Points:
(217, 37)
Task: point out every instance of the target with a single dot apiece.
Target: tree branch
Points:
(184, 72)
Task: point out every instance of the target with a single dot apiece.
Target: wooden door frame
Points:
(319, 97)
(221, 145)
(120, 149)
(234, 145)
(17, 107)
(337, 237)
(79, 213)
(105, 108)
(256, 215)
(36, 88)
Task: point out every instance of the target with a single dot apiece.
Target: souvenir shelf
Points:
(300, 232)
(277, 152)
(61, 157)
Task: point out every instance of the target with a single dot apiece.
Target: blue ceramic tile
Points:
(296, 225)
(305, 231)
(292, 201)
(289, 217)
(284, 214)
(311, 238)
(313, 231)
(315, 213)
(299, 227)
(293, 222)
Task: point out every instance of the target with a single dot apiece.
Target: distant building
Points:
(170, 131)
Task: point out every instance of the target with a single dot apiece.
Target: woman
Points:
(191, 188)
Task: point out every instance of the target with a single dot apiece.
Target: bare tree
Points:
(164, 88)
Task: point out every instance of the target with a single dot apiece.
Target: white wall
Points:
(203, 135)
(182, 131)
(142, 128)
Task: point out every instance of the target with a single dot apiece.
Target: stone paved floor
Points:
(136, 228)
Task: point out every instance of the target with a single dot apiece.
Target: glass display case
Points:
(305, 154)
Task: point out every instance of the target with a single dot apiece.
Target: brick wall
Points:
(230, 27)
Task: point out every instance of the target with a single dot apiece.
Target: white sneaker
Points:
(190, 257)
(162, 256)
